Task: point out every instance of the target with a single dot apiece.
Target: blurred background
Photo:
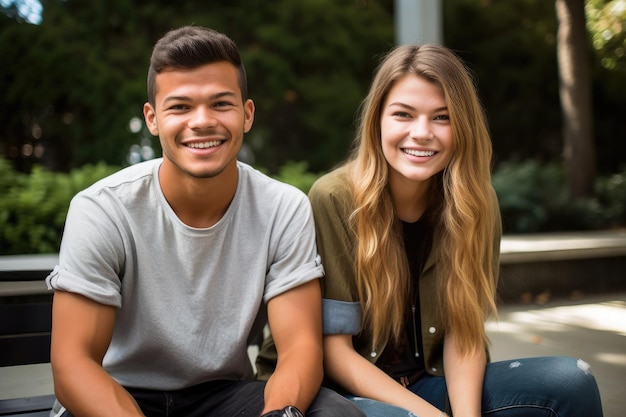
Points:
(551, 75)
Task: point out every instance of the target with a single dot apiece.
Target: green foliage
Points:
(297, 174)
(72, 78)
(511, 48)
(73, 82)
(611, 194)
(309, 64)
(606, 21)
(33, 207)
(534, 197)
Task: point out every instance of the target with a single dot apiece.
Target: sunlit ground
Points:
(608, 316)
(592, 328)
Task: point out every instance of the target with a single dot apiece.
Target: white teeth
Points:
(204, 145)
(419, 153)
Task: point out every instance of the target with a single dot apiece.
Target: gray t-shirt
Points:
(187, 298)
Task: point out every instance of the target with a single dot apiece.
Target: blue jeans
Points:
(230, 398)
(532, 387)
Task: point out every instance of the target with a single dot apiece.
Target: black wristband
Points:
(289, 411)
(274, 413)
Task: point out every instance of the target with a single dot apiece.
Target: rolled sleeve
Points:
(341, 317)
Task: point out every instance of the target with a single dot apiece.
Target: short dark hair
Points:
(191, 47)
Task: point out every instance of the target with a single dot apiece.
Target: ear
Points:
(150, 116)
(248, 114)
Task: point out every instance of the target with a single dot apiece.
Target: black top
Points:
(403, 360)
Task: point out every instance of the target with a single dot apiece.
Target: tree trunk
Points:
(575, 93)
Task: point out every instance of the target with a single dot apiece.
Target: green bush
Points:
(535, 197)
(33, 207)
(611, 194)
(296, 174)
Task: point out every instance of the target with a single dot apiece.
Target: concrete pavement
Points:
(592, 328)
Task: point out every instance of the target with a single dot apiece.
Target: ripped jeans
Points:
(553, 386)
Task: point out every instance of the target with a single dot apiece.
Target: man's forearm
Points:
(93, 393)
(296, 380)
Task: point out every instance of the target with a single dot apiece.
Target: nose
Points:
(202, 118)
(420, 129)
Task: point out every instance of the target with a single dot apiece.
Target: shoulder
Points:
(132, 176)
(257, 189)
(332, 191)
(259, 180)
(333, 187)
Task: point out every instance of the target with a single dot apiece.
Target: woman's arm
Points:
(464, 378)
(360, 377)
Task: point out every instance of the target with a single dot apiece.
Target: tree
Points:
(575, 93)
(71, 84)
(75, 81)
(510, 48)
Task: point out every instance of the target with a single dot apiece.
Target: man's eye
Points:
(177, 107)
(223, 104)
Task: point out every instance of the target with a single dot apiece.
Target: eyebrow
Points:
(406, 106)
(212, 97)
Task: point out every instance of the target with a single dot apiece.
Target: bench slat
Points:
(31, 406)
(25, 349)
(25, 318)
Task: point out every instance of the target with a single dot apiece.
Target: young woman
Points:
(409, 233)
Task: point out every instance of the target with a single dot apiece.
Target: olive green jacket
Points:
(332, 204)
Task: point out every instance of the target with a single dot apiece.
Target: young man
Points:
(166, 267)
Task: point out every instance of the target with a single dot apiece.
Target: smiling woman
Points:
(409, 231)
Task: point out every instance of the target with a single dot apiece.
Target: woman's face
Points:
(416, 134)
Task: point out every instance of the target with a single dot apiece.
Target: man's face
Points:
(200, 118)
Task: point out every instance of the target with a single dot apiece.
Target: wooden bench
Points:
(25, 325)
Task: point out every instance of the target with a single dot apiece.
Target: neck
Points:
(410, 200)
(198, 202)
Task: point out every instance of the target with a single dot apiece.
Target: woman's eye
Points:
(443, 117)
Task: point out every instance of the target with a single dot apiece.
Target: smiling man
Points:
(167, 267)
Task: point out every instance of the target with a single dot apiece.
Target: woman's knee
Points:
(574, 373)
(556, 382)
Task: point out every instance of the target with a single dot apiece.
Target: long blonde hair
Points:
(461, 200)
